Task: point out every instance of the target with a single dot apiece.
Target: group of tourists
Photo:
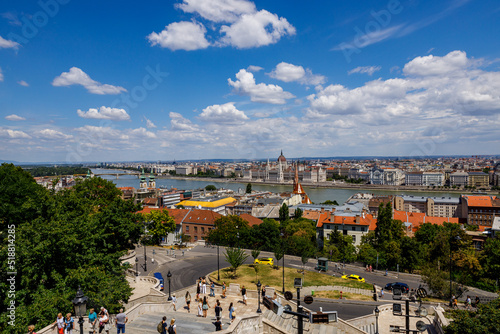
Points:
(165, 328)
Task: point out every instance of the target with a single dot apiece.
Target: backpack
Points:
(159, 328)
(171, 330)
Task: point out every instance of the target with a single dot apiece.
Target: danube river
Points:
(317, 195)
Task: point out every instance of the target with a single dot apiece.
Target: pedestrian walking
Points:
(172, 328)
(212, 289)
(218, 309)
(164, 325)
(263, 291)
(244, 294)
(59, 323)
(231, 312)
(200, 309)
(93, 320)
(218, 324)
(174, 301)
(382, 293)
(103, 322)
(31, 329)
(205, 306)
(371, 268)
(68, 324)
(223, 289)
(188, 300)
(203, 286)
(198, 289)
(120, 321)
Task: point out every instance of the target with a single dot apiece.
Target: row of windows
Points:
(353, 228)
(196, 229)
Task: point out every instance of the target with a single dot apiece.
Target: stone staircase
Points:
(185, 322)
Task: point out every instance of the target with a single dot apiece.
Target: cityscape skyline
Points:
(245, 79)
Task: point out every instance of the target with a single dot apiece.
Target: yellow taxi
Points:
(354, 277)
(264, 260)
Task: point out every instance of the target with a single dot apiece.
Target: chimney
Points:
(357, 219)
(322, 210)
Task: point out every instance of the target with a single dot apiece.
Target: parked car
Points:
(398, 285)
(354, 278)
(265, 260)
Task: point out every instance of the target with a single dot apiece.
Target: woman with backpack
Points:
(172, 328)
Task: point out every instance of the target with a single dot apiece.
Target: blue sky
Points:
(195, 79)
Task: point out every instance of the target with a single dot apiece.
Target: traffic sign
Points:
(288, 295)
(308, 299)
(421, 292)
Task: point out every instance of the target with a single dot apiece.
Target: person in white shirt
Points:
(174, 300)
(59, 323)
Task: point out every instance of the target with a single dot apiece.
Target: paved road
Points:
(201, 261)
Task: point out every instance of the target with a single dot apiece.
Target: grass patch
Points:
(249, 274)
(336, 295)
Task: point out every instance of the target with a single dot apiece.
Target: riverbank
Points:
(332, 185)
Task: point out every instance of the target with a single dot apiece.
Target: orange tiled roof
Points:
(310, 214)
(327, 218)
(251, 219)
(418, 218)
(479, 200)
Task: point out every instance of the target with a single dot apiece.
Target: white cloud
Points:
(365, 69)
(103, 112)
(435, 87)
(255, 30)
(218, 10)
(12, 18)
(150, 124)
(181, 36)
(23, 83)
(253, 68)
(13, 134)
(76, 76)
(179, 123)
(142, 132)
(1, 75)
(51, 134)
(288, 72)
(245, 85)
(14, 117)
(225, 113)
(453, 62)
(7, 44)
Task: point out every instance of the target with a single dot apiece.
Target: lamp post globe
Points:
(80, 304)
(377, 313)
(169, 276)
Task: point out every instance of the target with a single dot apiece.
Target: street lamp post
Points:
(258, 296)
(136, 268)
(282, 235)
(457, 238)
(145, 257)
(169, 276)
(80, 304)
(377, 313)
(218, 264)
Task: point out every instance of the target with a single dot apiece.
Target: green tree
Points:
(249, 188)
(210, 187)
(410, 253)
(367, 254)
(235, 257)
(74, 237)
(284, 213)
(159, 225)
(185, 238)
(266, 235)
(230, 231)
(255, 253)
(486, 320)
(329, 202)
(298, 213)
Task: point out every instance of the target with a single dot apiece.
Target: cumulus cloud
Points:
(103, 112)
(13, 134)
(179, 123)
(225, 113)
(50, 134)
(149, 124)
(365, 70)
(23, 83)
(76, 76)
(8, 44)
(218, 10)
(434, 87)
(288, 72)
(181, 36)
(14, 118)
(245, 85)
(142, 132)
(453, 62)
(255, 30)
